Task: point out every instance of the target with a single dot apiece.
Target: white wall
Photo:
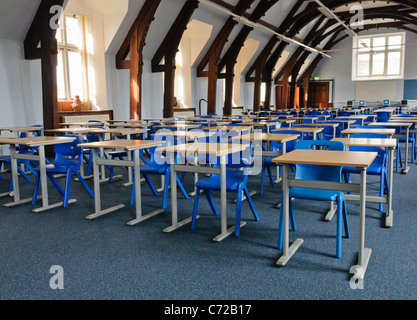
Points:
(20, 87)
(339, 68)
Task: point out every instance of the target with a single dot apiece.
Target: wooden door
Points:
(318, 94)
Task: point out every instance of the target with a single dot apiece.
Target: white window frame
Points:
(357, 45)
(64, 47)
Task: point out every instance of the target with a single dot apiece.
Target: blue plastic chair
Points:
(343, 114)
(159, 167)
(68, 159)
(378, 167)
(398, 160)
(277, 147)
(236, 181)
(383, 116)
(321, 173)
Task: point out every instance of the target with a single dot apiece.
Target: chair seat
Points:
(118, 154)
(149, 169)
(6, 159)
(314, 194)
(233, 180)
(58, 168)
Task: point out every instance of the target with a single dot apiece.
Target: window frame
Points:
(64, 47)
(357, 51)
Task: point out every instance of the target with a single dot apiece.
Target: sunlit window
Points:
(72, 61)
(379, 57)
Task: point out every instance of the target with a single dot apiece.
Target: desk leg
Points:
(138, 194)
(390, 214)
(364, 254)
(174, 194)
(129, 169)
(44, 185)
(288, 251)
(97, 194)
(224, 231)
(15, 177)
(406, 151)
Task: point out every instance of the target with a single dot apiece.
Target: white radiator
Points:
(86, 118)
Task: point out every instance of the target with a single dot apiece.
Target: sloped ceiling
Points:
(16, 17)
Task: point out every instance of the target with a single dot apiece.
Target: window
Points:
(72, 58)
(378, 57)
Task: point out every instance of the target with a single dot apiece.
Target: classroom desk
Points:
(360, 160)
(313, 131)
(398, 125)
(129, 146)
(178, 126)
(73, 130)
(313, 119)
(125, 132)
(348, 132)
(233, 128)
(221, 150)
(81, 124)
(391, 144)
(20, 129)
(39, 142)
(268, 137)
(318, 125)
(130, 125)
(362, 118)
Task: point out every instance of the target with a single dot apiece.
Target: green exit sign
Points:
(316, 78)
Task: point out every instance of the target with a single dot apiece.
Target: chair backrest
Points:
(383, 116)
(39, 132)
(343, 114)
(382, 152)
(290, 145)
(100, 124)
(22, 148)
(315, 172)
(69, 154)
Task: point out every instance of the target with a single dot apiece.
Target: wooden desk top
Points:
(180, 126)
(69, 130)
(122, 144)
(81, 124)
(37, 141)
(185, 134)
(232, 128)
(129, 125)
(353, 117)
(215, 149)
(20, 129)
(410, 120)
(304, 130)
(390, 124)
(267, 137)
(339, 120)
(124, 121)
(334, 125)
(370, 130)
(260, 124)
(306, 118)
(123, 131)
(372, 142)
(328, 158)
(7, 137)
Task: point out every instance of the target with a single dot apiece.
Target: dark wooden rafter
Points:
(134, 44)
(311, 12)
(287, 70)
(262, 68)
(168, 50)
(230, 58)
(212, 56)
(40, 32)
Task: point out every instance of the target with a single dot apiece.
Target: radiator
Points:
(86, 118)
